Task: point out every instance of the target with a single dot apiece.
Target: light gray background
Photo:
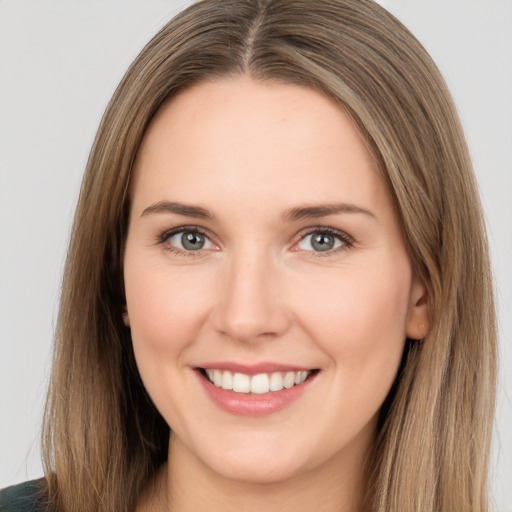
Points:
(60, 61)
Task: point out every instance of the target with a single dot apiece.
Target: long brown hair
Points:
(103, 438)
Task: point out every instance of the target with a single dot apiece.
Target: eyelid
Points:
(346, 240)
(164, 237)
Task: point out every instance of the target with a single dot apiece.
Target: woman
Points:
(277, 288)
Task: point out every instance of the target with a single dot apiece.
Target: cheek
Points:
(166, 308)
(359, 319)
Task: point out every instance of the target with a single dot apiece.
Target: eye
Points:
(324, 240)
(187, 240)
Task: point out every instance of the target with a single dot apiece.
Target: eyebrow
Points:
(323, 210)
(187, 210)
(290, 215)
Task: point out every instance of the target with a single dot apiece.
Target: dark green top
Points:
(22, 497)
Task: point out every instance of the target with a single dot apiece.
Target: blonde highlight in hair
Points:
(103, 438)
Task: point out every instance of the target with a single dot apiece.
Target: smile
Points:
(258, 384)
(255, 390)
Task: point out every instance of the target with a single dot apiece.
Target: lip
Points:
(252, 405)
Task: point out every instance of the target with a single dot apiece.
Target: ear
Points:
(126, 317)
(418, 321)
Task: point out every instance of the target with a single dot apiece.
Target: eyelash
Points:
(346, 241)
(163, 240)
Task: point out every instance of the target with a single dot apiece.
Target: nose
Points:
(251, 305)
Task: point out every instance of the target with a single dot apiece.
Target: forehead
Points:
(264, 140)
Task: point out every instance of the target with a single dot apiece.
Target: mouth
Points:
(255, 390)
(258, 384)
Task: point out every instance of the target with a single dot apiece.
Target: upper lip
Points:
(253, 369)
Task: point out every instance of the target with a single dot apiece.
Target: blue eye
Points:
(188, 240)
(323, 241)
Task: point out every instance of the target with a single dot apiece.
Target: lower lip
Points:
(242, 404)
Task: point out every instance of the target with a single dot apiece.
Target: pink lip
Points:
(242, 404)
(253, 369)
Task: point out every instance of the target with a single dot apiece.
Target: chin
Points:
(257, 471)
(253, 460)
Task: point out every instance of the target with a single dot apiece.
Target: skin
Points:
(249, 153)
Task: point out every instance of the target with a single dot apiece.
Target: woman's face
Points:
(264, 254)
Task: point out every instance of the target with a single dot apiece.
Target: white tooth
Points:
(276, 381)
(297, 377)
(217, 378)
(209, 372)
(241, 383)
(227, 380)
(289, 380)
(303, 376)
(260, 384)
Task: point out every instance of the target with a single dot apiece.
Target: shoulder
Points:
(25, 497)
